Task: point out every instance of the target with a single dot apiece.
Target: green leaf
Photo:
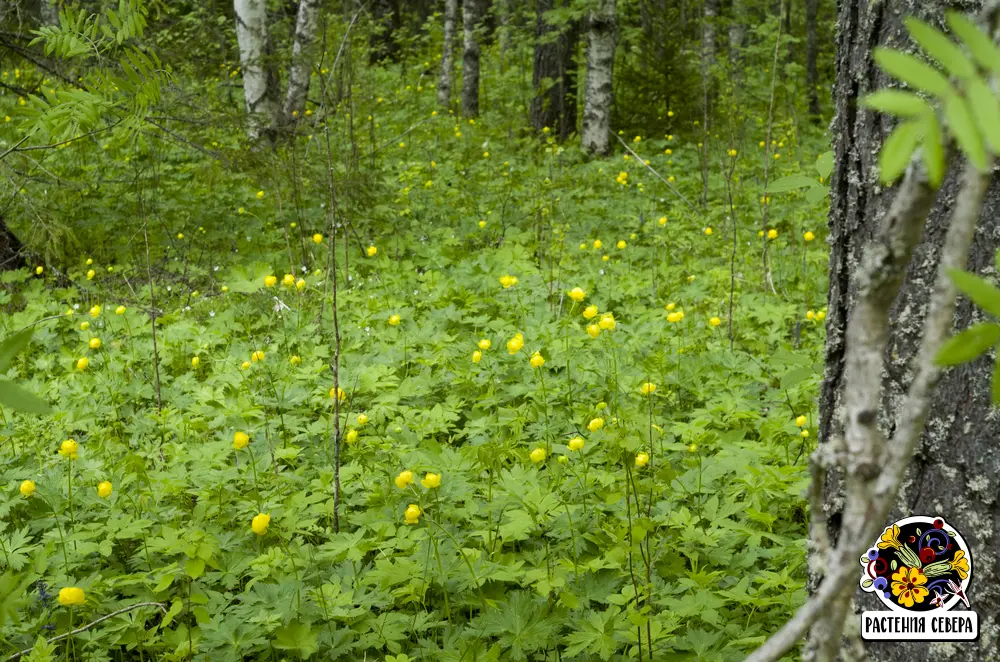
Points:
(21, 399)
(824, 165)
(195, 568)
(963, 127)
(816, 194)
(932, 149)
(978, 42)
(968, 344)
(790, 183)
(897, 150)
(938, 46)
(982, 293)
(986, 110)
(296, 637)
(897, 102)
(12, 346)
(913, 72)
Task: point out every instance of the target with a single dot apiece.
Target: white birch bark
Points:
(299, 73)
(448, 54)
(258, 82)
(602, 40)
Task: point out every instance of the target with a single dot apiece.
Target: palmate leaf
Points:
(20, 399)
(897, 150)
(963, 127)
(968, 344)
(913, 72)
(978, 42)
(936, 44)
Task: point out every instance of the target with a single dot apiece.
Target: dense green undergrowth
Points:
(680, 522)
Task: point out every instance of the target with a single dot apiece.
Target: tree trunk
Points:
(11, 250)
(598, 96)
(447, 55)
(470, 57)
(738, 33)
(49, 10)
(302, 58)
(545, 77)
(260, 79)
(708, 40)
(956, 470)
(812, 50)
(568, 93)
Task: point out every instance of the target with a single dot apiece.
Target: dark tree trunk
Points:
(812, 50)
(471, 16)
(545, 77)
(570, 70)
(11, 250)
(956, 472)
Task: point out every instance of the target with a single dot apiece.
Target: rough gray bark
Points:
(448, 53)
(49, 10)
(260, 79)
(710, 14)
(599, 94)
(299, 73)
(569, 73)
(812, 50)
(545, 105)
(11, 250)
(471, 16)
(956, 471)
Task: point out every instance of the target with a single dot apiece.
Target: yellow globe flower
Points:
(300, 284)
(590, 312)
(27, 488)
(39, 270)
(317, 238)
(104, 489)
(84, 326)
(288, 280)
(804, 434)
(95, 311)
(515, 344)
(394, 320)
(593, 330)
(270, 281)
(259, 523)
(821, 315)
(714, 321)
(485, 344)
(477, 356)
(648, 388)
(295, 360)
(597, 244)
(641, 460)
(576, 443)
(195, 361)
(69, 448)
(71, 596)
(362, 419)
(577, 294)
(772, 234)
(95, 343)
(810, 314)
(808, 236)
(404, 479)
(240, 440)
(536, 360)
(675, 316)
(371, 250)
(537, 455)
(607, 322)
(605, 258)
(801, 420)
(670, 306)
(412, 514)
(337, 392)
(260, 195)
(90, 274)
(257, 356)
(82, 363)
(482, 224)
(120, 310)
(90, 261)
(621, 244)
(663, 220)
(595, 424)
(708, 231)
(352, 436)
(508, 281)
(431, 480)
(244, 365)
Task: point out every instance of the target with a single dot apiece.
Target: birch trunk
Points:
(260, 84)
(601, 43)
(470, 58)
(448, 54)
(738, 33)
(956, 470)
(302, 58)
(710, 14)
(49, 10)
